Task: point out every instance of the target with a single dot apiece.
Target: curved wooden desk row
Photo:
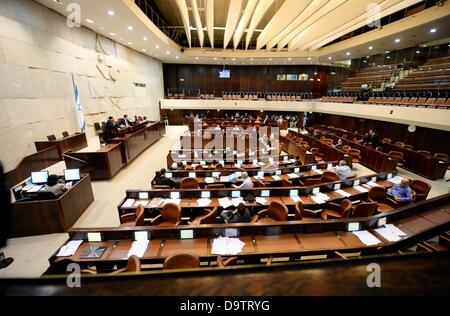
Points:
(152, 199)
(71, 143)
(370, 157)
(109, 159)
(293, 239)
(222, 141)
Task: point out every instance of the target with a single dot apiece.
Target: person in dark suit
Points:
(240, 215)
(374, 139)
(125, 121)
(5, 218)
(110, 131)
(161, 179)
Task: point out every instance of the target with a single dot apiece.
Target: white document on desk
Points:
(141, 202)
(209, 180)
(373, 184)
(318, 171)
(396, 179)
(367, 238)
(343, 193)
(224, 179)
(227, 246)
(70, 248)
(276, 178)
(395, 230)
(361, 189)
(138, 248)
(35, 189)
(387, 234)
(237, 201)
(292, 176)
(317, 199)
(261, 200)
(128, 203)
(203, 202)
(261, 163)
(175, 201)
(296, 198)
(225, 202)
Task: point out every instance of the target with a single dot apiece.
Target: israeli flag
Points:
(79, 108)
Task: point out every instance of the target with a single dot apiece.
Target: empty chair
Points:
(397, 155)
(329, 176)
(97, 127)
(400, 144)
(424, 152)
(317, 155)
(215, 186)
(356, 155)
(209, 217)
(386, 140)
(341, 210)
(346, 148)
(189, 184)
(51, 137)
(219, 166)
(408, 147)
(328, 141)
(170, 216)
(379, 195)
(420, 189)
(302, 214)
(133, 265)
(198, 168)
(443, 157)
(65, 134)
(277, 212)
(312, 181)
(133, 219)
(364, 209)
(182, 260)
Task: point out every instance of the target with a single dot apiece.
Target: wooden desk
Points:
(73, 142)
(51, 216)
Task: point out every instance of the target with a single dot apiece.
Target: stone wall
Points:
(40, 57)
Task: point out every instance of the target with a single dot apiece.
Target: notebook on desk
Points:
(93, 252)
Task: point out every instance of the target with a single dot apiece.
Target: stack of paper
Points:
(261, 163)
(138, 248)
(322, 196)
(318, 171)
(224, 179)
(209, 180)
(361, 189)
(156, 202)
(292, 176)
(373, 184)
(141, 202)
(225, 202)
(276, 178)
(387, 234)
(237, 201)
(395, 230)
(261, 200)
(69, 249)
(203, 202)
(227, 246)
(396, 179)
(296, 198)
(317, 199)
(343, 193)
(128, 203)
(367, 238)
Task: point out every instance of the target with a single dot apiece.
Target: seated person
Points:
(343, 170)
(246, 184)
(110, 130)
(53, 186)
(402, 192)
(339, 144)
(180, 166)
(240, 215)
(161, 179)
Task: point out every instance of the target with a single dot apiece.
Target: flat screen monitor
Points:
(39, 177)
(265, 193)
(72, 174)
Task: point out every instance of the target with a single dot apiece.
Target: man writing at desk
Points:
(402, 192)
(246, 184)
(54, 186)
(239, 215)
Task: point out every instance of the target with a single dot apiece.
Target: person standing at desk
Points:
(53, 186)
(110, 131)
(246, 184)
(239, 215)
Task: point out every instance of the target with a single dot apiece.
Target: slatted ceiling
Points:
(198, 22)
(182, 7)
(290, 10)
(261, 9)
(310, 24)
(312, 7)
(209, 20)
(243, 23)
(234, 12)
(387, 8)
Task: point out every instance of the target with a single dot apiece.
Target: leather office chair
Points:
(329, 176)
(346, 148)
(97, 127)
(317, 155)
(209, 217)
(161, 187)
(443, 157)
(364, 209)
(386, 140)
(198, 168)
(133, 265)
(219, 166)
(400, 144)
(397, 155)
(136, 219)
(341, 210)
(277, 212)
(356, 155)
(182, 260)
(328, 141)
(215, 186)
(312, 181)
(189, 184)
(51, 137)
(408, 147)
(302, 214)
(424, 152)
(379, 195)
(421, 190)
(170, 216)
(65, 134)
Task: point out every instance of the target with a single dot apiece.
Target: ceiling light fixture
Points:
(370, 47)
(433, 31)
(110, 12)
(397, 40)
(145, 38)
(112, 34)
(348, 54)
(130, 28)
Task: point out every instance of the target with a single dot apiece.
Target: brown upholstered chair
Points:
(329, 176)
(328, 141)
(198, 168)
(356, 155)
(346, 148)
(219, 166)
(400, 144)
(302, 214)
(379, 195)
(443, 157)
(209, 217)
(312, 181)
(277, 212)
(397, 155)
(333, 210)
(215, 186)
(408, 147)
(421, 189)
(161, 187)
(386, 140)
(133, 265)
(189, 184)
(182, 260)
(170, 216)
(229, 262)
(317, 155)
(364, 209)
(424, 152)
(136, 219)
